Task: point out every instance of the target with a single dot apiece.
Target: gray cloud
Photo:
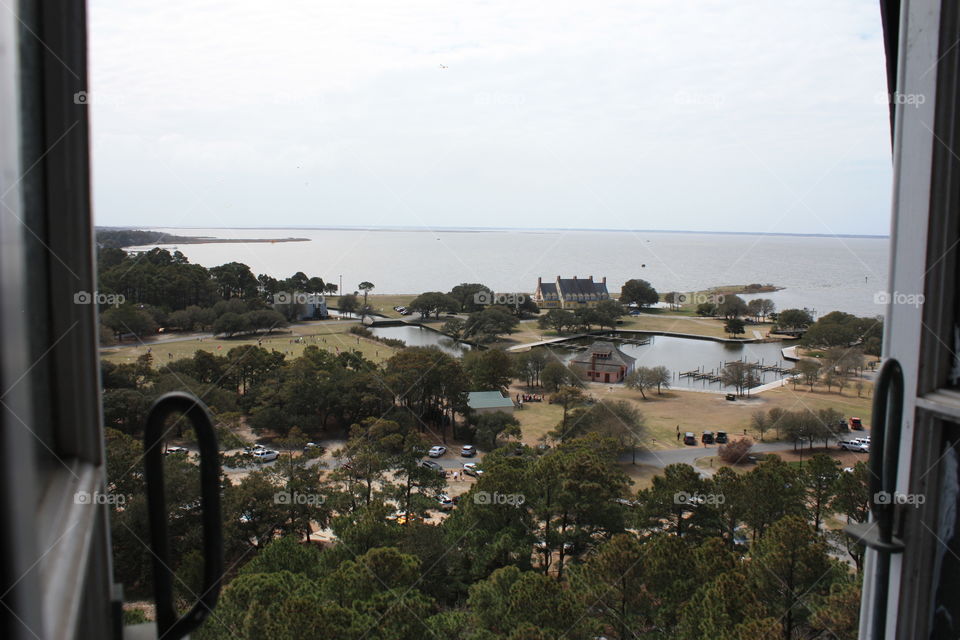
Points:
(666, 115)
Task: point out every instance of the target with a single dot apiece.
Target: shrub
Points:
(735, 452)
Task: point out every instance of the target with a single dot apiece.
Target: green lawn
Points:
(328, 336)
(712, 327)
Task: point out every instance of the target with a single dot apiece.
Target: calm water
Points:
(824, 274)
(685, 354)
(418, 337)
(677, 354)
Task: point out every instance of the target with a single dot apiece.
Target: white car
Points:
(265, 455)
(175, 450)
(471, 469)
(437, 451)
(445, 503)
(854, 445)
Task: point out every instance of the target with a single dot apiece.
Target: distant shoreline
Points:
(206, 240)
(396, 229)
(116, 238)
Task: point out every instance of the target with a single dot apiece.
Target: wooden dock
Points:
(697, 374)
(713, 375)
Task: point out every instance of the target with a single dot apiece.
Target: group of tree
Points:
(800, 426)
(571, 552)
(318, 392)
(732, 307)
(737, 556)
(470, 298)
(836, 367)
(163, 289)
(643, 379)
(839, 329)
(639, 293)
(793, 319)
(606, 313)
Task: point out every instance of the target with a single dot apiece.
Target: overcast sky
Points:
(704, 115)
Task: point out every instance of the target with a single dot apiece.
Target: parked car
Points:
(265, 455)
(445, 503)
(171, 450)
(707, 437)
(468, 451)
(430, 464)
(854, 445)
(689, 438)
(856, 424)
(721, 437)
(437, 451)
(313, 447)
(471, 469)
(254, 448)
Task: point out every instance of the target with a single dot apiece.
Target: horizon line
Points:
(503, 229)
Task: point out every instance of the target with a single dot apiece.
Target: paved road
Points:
(689, 454)
(451, 460)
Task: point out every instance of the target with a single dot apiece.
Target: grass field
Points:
(383, 304)
(330, 336)
(694, 411)
(700, 326)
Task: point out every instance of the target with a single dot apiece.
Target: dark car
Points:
(707, 437)
(430, 464)
(689, 438)
(721, 437)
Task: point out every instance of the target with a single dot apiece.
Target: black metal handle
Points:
(885, 429)
(885, 436)
(169, 626)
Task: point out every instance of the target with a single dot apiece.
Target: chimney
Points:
(574, 277)
(591, 278)
(539, 282)
(604, 279)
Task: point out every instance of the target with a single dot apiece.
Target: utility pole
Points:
(340, 290)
